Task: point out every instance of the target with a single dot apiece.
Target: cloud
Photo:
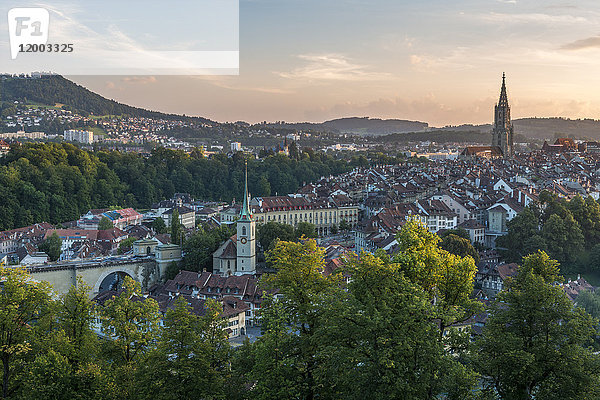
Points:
(141, 80)
(531, 18)
(587, 43)
(332, 67)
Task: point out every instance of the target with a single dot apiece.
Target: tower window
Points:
(243, 230)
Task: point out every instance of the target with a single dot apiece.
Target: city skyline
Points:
(434, 62)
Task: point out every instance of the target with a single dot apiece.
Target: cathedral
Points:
(237, 256)
(502, 134)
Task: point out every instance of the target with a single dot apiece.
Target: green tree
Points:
(344, 226)
(266, 234)
(535, 343)
(75, 316)
(446, 278)
(200, 246)
(159, 225)
(131, 320)
(460, 232)
(66, 364)
(383, 341)
(176, 230)
(304, 288)
(270, 364)
(184, 365)
(23, 302)
(126, 244)
(563, 237)
(595, 258)
(105, 224)
(459, 246)
(305, 229)
(521, 228)
(52, 246)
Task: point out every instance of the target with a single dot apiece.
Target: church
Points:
(502, 133)
(237, 256)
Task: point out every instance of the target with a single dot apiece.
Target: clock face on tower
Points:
(243, 240)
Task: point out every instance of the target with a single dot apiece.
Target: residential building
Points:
(72, 135)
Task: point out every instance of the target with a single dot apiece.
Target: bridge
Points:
(98, 273)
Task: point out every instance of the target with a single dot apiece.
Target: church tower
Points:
(502, 134)
(246, 237)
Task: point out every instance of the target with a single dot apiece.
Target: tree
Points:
(200, 246)
(52, 246)
(305, 229)
(23, 302)
(389, 346)
(304, 288)
(522, 227)
(126, 244)
(159, 225)
(334, 229)
(66, 364)
(176, 231)
(131, 320)
(266, 234)
(184, 364)
(105, 224)
(75, 316)
(460, 232)
(563, 237)
(595, 258)
(459, 246)
(535, 343)
(344, 226)
(590, 302)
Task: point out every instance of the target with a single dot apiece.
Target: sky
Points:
(435, 61)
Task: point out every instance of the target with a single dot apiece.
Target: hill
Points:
(374, 126)
(543, 128)
(55, 89)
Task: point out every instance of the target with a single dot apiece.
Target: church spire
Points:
(503, 102)
(245, 213)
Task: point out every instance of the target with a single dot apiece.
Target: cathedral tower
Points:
(502, 134)
(246, 237)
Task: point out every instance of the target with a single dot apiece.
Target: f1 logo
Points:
(27, 26)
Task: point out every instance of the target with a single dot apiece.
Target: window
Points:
(243, 230)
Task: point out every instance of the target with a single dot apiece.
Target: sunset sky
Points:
(435, 61)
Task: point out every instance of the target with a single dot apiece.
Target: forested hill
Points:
(53, 89)
(60, 182)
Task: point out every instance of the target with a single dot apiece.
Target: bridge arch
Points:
(111, 271)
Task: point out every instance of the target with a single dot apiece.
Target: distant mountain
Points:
(543, 128)
(55, 89)
(374, 126)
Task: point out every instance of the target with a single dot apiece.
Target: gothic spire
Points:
(245, 213)
(503, 102)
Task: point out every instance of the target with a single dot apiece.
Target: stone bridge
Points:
(147, 269)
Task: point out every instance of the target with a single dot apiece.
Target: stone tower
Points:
(502, 134)
(246, 237)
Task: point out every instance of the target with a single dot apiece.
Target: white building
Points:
(73, 135)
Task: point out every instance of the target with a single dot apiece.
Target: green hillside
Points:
(50, 90)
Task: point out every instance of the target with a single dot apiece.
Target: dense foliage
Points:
(392, 331)
(568, 230)
(49, 349)
(60, 182)
(56, 89)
